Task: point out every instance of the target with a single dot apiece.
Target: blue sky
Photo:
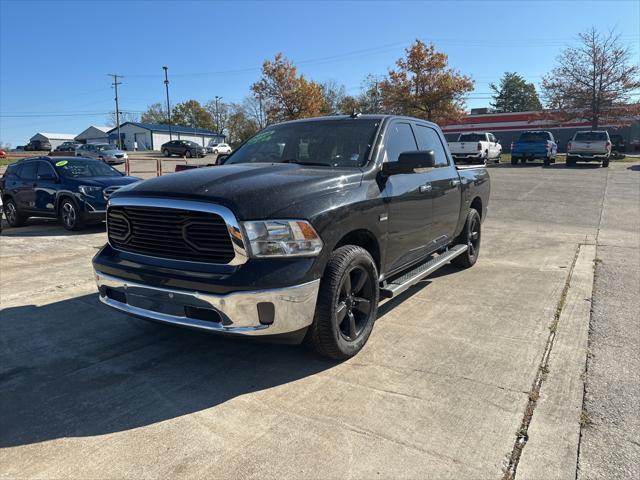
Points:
(55, 55)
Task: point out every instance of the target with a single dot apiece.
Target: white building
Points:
(54, 139)
(151, 136)
(94, 134)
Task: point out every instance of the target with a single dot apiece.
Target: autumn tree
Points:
(155, 113)
(287, 95)
(192, 114)
(424, 86)
(515, 94)
(594, 80)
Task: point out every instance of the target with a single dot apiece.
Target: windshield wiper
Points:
(293, 160)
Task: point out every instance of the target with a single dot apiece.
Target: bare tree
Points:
(594, 80)
(124, 117)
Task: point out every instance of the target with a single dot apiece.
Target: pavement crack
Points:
(522, 435)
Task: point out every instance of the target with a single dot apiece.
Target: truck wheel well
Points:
(364, 239)
(476, 204)
(60, 199)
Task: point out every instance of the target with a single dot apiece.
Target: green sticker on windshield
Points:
(62, 163)
(261, 137)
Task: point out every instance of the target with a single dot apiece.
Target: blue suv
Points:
(73, 189)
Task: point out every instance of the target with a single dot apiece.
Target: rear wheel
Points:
(547, 161)
(570, 162)
(347, 304)
(14, 217)
(470, 236)
(605, 163)
(189, 154)
(523, 160)
(70, 215)
(165, 152)
(514, 160)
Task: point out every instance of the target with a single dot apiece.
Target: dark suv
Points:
(38, 146)
(75, 190)
(183, 148)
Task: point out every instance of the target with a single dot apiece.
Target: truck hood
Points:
(251, 191)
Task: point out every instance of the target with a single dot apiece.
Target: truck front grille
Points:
(170, 233)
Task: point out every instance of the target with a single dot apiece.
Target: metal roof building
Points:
(151, 136)
(54, 139)
(94, 134)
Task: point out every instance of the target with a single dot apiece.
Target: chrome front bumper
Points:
(261, 312)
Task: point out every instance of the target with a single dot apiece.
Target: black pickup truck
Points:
(298, 234)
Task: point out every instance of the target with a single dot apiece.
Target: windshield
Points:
(591, 137)
(82, 168)
(330, 143)
(472, 137)
(104, 146)
(534, 137)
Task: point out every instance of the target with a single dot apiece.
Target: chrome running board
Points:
(404, 282)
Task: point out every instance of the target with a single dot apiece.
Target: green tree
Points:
(155, 113)
(594, 80)
(192, 114)
(285, 94)
(240, 125)
(515, 94)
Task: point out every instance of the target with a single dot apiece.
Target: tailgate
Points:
(530, 147)
(463, 147)
(589, 147)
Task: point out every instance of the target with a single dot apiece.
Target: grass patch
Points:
(7, 160)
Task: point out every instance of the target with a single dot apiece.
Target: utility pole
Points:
(217, 115)
(166, 86)
(115, 85)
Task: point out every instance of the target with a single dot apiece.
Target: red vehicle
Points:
(3, 154)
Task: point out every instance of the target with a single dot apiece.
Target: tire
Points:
(471, 235)
(605, 163)
(523, 160)
(188, 154)
(514, 161)
(547, 161)
(215, 152)
(347, 304)
(13, 216)
(570, 162)
(69, 214)
(499, 158)
(165, 152)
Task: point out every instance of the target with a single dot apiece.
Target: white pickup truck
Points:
(589, 146)
(476, 147)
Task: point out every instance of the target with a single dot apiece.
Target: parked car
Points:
(589, 146)
(75, 190)
(476, 147)
(69, 146)
(218, 148)
(183, 148)
(533, 145)
(3, 154)
(299, 233)
(102, 151)
(38, 146)
(618, 143)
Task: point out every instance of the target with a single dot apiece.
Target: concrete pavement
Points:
(439, 391)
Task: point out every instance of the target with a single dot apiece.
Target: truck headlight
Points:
(282, 238)
(89, 190)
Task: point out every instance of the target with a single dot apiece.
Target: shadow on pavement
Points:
(73, 368)
(46, 227)
(634, 168)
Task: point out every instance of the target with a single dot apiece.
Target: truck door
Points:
(408, 201)
(445, 188)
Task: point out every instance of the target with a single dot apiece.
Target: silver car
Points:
(102, 151)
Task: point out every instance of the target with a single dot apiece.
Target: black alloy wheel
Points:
(188, 154)
(70, 216)
(354, 304)
(471, 235)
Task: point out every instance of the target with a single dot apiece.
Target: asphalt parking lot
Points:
(453, 371)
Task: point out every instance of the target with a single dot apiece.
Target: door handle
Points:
(455, 182)
(425, 188)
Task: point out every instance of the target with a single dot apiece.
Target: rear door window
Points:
(28, 171)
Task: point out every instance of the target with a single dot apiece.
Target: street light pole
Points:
(166, 86)
(217, 114)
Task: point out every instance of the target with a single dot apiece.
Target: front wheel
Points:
(470, 236)
(188, 154)
(165, 152)
(70, 216)
(347, 304)
(215, 152)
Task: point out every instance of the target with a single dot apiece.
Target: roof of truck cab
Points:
(356, 118)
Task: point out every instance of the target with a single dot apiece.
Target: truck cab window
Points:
(428, 139)
(400, 139)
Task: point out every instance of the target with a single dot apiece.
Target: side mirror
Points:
(222, 158)
(409, 161)
(48, 177)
